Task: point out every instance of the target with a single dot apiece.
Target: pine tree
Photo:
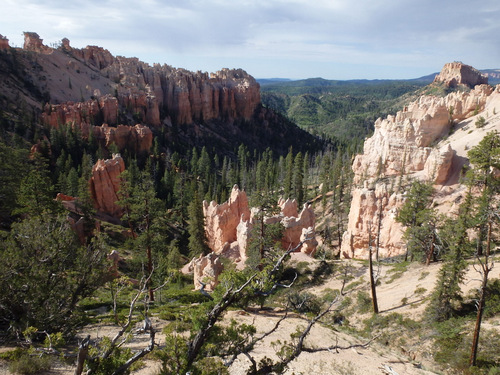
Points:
(196, 228)
(36, 193)
(420, 220)
(287, 183)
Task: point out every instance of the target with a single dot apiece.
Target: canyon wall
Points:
(154, 95)
(427, 140)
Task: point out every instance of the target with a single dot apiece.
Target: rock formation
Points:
(457, 73)
(33, 42)
(4, 42)
(222, 220)
(182, 96)
(402, 144)
(414, 144)
(206, 269)
(105, 184)
(82, 115)
(228, 225)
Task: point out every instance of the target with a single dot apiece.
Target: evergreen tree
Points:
(36, 193)
(287, 183)
(45, 272)
(447, 293)
(420, 220)
(12, 164)
(196, 228)
(144, 211)
(298, 178)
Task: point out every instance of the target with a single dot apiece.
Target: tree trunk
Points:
(372, 278)
(430, 252)
(82, 355)
(480, 309)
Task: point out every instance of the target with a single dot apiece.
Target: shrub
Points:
(27, 364)
(480, 122)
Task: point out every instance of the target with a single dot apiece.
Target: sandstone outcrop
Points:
(105, 184)
(82, 115)
(457, 73)
(228, 226)
(402, 144)
(414, 144)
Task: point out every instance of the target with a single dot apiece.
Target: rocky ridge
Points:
(87, 87)
(161, 93)
(427, 140)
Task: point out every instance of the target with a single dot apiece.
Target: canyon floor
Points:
(402, 289)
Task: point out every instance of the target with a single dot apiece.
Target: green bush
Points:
(364, 302)
(480, 122)
(27, 364)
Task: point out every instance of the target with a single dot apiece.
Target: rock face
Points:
(221, 221)
(105, 184)
(130, 91)
(33, 42)
(161, 93)
(228, 225)
(206, 270)
(4, 42)
(410, 146)
(403, 143)
(457, 73)
(82, 115)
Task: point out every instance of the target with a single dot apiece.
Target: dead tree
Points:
(116, 342)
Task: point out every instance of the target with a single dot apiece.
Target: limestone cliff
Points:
(159, 93)
(427, 140)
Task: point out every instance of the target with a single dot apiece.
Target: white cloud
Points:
(373, 36)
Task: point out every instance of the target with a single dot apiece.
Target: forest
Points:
(56, 281)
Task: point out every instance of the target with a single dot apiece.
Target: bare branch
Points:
(251, 344)
(338, 347)
(143, 289)
(139, 354)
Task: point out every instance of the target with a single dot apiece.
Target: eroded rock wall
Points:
(428, 140)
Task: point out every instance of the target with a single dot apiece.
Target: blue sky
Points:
(333, 39)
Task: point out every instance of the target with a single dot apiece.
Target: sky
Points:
(333, 39)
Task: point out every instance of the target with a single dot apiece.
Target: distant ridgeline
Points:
(344, 109)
